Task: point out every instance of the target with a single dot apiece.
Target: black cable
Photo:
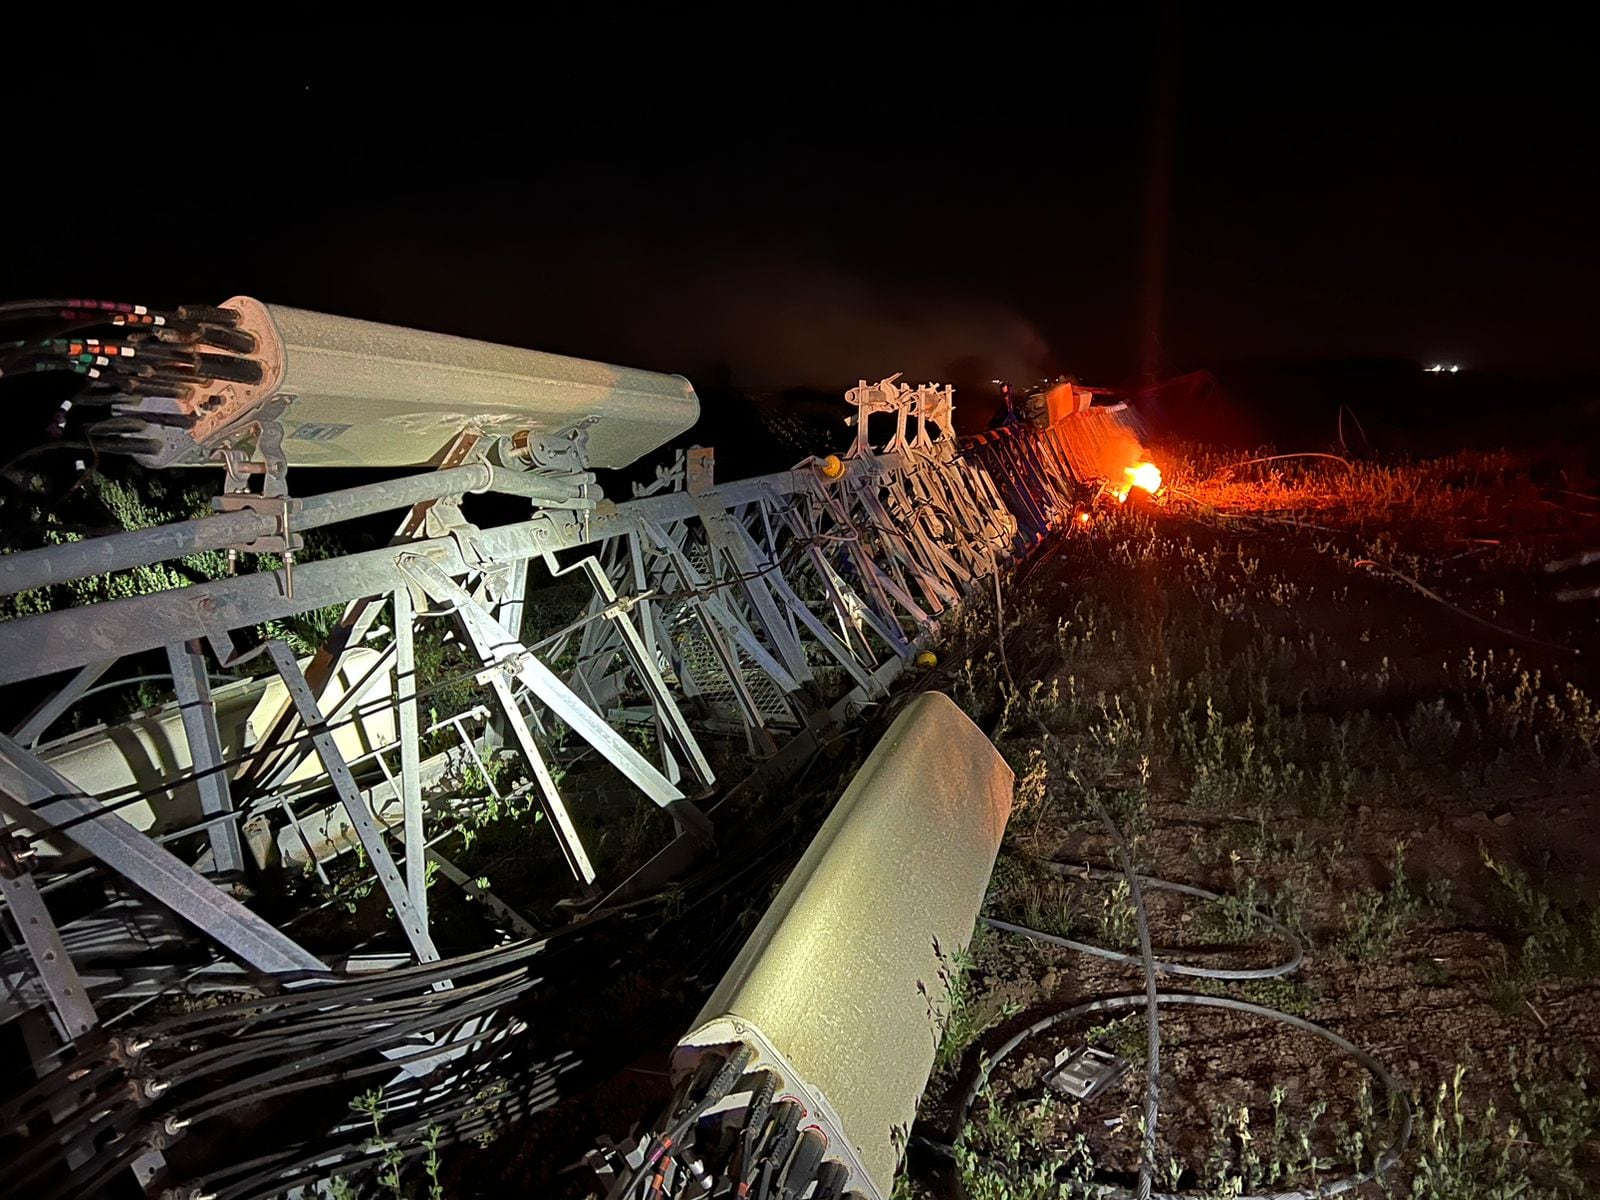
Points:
(1382, 1163)
(1288, 967)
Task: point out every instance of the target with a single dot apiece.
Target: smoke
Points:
(776, 320)
(699, 306)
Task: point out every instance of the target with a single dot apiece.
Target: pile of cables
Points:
(145, 1090)
(490, 1037)
(111, 353)
(723, 1135)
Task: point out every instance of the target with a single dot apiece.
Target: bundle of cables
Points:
(726, 1133)
(104, 354)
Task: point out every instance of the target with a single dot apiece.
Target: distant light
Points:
(1435, 369)
(1453, 370)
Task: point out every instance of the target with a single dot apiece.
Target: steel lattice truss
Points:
(769, 610)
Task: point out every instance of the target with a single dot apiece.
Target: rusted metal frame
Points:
(413, 922)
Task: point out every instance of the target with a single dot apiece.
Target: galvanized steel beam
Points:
(193, 688)
(40, 799)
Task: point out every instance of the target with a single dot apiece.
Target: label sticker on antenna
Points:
(308, 431)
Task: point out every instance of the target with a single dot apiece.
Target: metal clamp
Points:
(239, 451)
(283, 540)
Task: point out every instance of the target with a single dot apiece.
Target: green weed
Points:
(1556, 940)
(1463, 1152)
(1374, 919)
(965, 1016)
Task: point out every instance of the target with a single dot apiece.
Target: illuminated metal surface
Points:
(149, 748)
(839, 975)
(370, 395)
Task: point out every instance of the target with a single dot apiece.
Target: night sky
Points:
(1149, 193)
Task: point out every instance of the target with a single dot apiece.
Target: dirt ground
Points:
(1343, 697)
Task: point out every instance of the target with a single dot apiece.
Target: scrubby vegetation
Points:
(1337, 695)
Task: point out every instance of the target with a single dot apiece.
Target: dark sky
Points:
(1140, 192)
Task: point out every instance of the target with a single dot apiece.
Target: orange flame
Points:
(1143, 475)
